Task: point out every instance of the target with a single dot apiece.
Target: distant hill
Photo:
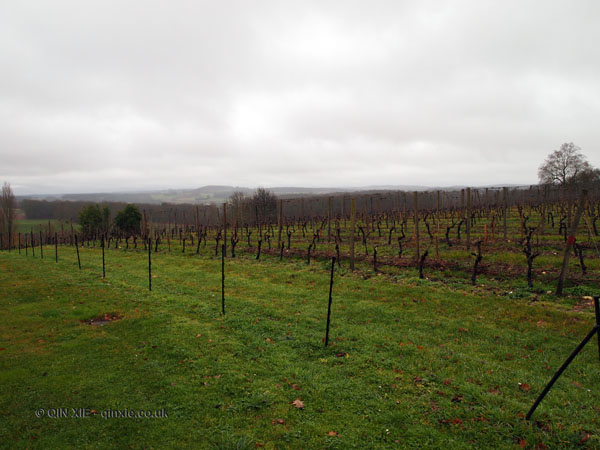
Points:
(220, 194)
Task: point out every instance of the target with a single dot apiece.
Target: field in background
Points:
(35, 225)
(416, 363)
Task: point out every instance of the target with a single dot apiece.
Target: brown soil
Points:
(102, 320)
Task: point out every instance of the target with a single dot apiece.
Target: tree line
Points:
(563, 173)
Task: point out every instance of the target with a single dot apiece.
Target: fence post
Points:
(103, 262)
(571, 242)
(77, 249)
(329, 305)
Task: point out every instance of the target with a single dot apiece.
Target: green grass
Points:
(35, 225)
(412, 363)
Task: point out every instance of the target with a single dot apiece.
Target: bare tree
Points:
(564, 166)
(8, 212)
(236, 201)
(265, 205)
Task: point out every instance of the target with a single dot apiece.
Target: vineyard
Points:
(502, 234)
(445, 323)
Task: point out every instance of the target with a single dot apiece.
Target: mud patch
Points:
(102, 320)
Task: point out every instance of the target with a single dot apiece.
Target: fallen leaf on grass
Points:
(577, 384)
(524, 387)
(584, 439)
(278, 422)
(455, 421)
(298, 403)
(523, 443)
(333, 433)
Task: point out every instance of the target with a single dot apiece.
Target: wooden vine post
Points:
(223, 279)
(487, 203)
(149, 263)
(468, 218)
(279, 223)
(328, 219)
(571, 241)
(505, 209)
(103, 260)
(169, 233)
(437, 211)
(352, 225)
(225, 229)
(416, 219)
(145, 227)
(197, 223)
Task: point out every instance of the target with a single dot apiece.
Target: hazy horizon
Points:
(328, 188)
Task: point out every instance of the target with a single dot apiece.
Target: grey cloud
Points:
(129, 95)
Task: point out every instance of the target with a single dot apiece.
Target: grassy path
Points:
(413, 363)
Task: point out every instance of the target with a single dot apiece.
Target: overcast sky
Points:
(100, 96)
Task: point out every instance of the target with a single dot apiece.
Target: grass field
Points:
(412, 363)
(35, 225)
